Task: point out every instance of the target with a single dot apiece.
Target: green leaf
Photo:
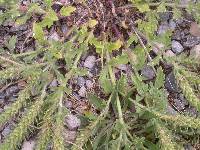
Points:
(121, 59)
(97, 102)
(49, 19)
(38, 32)
(105, 82)
(160, 79)
(66, 11)
(114, 45)
(132, 38)
(11, 44)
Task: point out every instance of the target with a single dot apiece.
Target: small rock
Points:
(80, 81)
(28, 145)
(68, 104)
(195, 52)
(90, 62)
(179, 105)
(54, 36)
(6, 131)
(69, 136)
(89, 84)
(170, 83)
(148, 72)
(172, 25)
(82, 91)
(169, 53)
(54, 83)
(72, 122)
(191, 41)
(177, 47)
(171, 111)
(122, 67)
(11, 90)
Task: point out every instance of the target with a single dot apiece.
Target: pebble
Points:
(177, 48)
(54, 83)
(28, 145)
(6, 131)
(170, 83)
(122, 67)
(72, 122)
(172, 25)
(90, 62)
(89, 84)
(148, 72)
(178, 104)
(191, 41)
(195, 52)
(82, 91)
(11, 90)
(80, 81)
(68, 104)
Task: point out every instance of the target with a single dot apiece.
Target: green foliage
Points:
(132, 113)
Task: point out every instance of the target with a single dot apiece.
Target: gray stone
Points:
(170, 83)
(90, 62)
(177, 47)
(122, 67)
(68, 104)
(6, 131)
(191, 41)
(54, 83)
(82, 92)
(178, 104)
(72, 122)
(172, 24)
(148, 72)
(89, 84)
(80, 81)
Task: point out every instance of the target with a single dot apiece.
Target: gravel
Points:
(177, 48)
(90, 62)
(72, 122)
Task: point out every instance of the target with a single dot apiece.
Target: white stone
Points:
(177, 47)
(72, 122)
(90, 62)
